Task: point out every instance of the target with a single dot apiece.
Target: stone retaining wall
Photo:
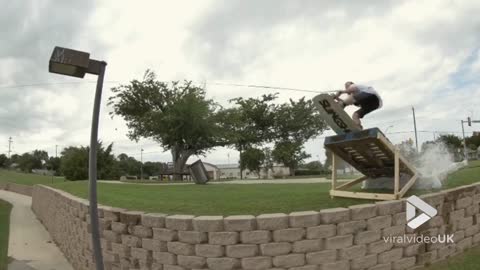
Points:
(330, 239)
(21, 189)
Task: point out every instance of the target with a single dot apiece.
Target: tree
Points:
(296, 122)
(313, 166)
(74, 163)
(268, 160)
(29, 161)
(290, 154)
(252, 159)
(178, 116)
(451, 141)
(128, 165)
(473, 142)
(250, 123)
(3, 161)
(40, 156)
(15, 158)
(54, 164)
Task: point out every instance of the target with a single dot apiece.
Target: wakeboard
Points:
(334, 115)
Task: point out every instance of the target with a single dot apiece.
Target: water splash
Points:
(434, 164)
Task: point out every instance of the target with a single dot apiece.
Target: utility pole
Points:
(56, 150)
(9, 146)
(469, 122)
(465, 154)
(141, 164)
(415, 128)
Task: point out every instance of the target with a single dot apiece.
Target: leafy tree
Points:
(29, 161)
(178, 116)
(252, 159)
(473, 142)
(3, 161)
(15, 158)
(296, 122)
(451, 141)
(313, 166)
(127, 165)
(152, 168)
(40, 156)
(74, 162)
(268, 161)
(54, 164)
(250, 123)
(289, 153)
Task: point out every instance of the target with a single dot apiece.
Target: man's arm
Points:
(351, 89)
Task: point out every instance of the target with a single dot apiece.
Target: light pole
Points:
(76, 63)
(415, 128)
(141, 164)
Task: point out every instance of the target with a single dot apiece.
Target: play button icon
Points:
(428, 212)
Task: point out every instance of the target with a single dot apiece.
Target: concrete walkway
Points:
(30, 244)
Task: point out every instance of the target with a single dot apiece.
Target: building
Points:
(232, 171)
(213, 171)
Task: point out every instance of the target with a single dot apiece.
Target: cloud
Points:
(415, 53)
(30, 30)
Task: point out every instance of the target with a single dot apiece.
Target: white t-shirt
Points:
(370, 90)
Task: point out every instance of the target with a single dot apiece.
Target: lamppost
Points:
(141, 164)
(76, 63)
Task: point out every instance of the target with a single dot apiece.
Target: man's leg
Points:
(356, 119)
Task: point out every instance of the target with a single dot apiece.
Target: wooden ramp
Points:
(372, 154)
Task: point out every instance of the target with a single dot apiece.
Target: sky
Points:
(421, 54)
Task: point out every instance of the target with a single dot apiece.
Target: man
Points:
(362, 96)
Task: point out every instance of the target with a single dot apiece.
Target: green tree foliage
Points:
(74, 163)
(3, 161)
(128, 165)
(296, 122)
(34, 160)
(290, 154)
(152, 168)
(53, 163)
(473, 142)
(313, 166)
(249, 123)
(252, 159)
(15, 158)
(177, 115)
(451, 141)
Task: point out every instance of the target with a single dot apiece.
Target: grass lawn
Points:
(27, 178)
(4, 230)
(218, 199)
(469, 260)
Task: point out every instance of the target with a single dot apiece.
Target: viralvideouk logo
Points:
(427, 212)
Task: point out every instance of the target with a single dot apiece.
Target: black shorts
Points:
(367, 103)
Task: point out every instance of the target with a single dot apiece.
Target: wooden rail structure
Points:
(373, 155)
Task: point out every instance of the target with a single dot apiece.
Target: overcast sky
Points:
(415, 53)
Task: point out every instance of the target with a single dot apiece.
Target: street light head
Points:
(69, 62)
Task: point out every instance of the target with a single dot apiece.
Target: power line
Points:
(272, 87)
(46, 84)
